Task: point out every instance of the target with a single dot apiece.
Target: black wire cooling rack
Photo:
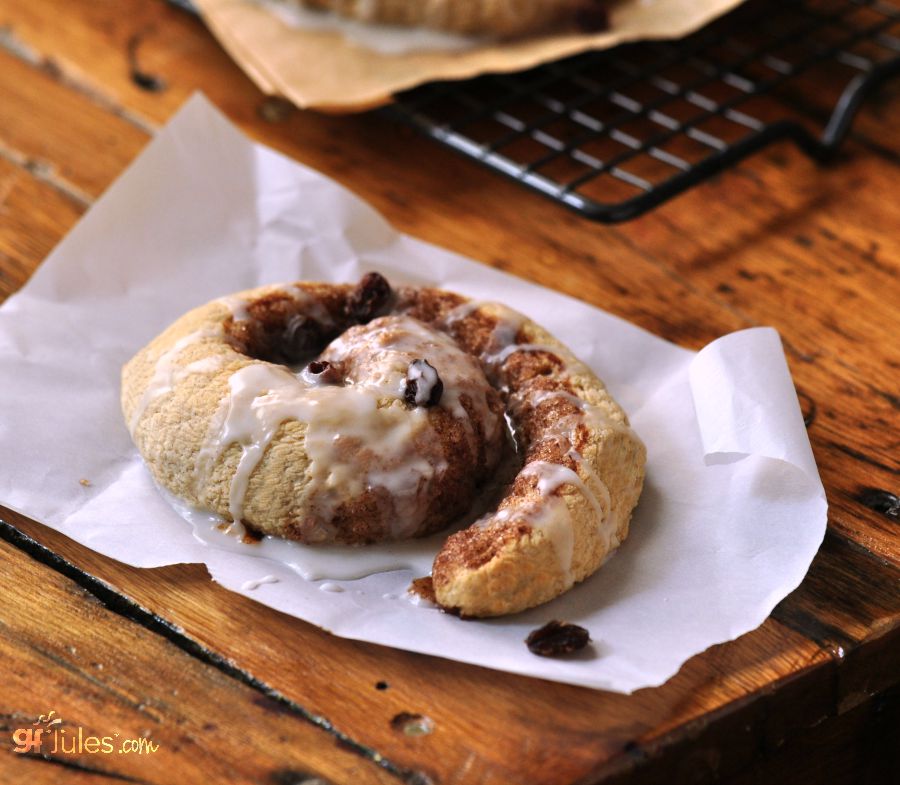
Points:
(613, 134)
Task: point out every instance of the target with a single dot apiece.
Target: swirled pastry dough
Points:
(336, 413)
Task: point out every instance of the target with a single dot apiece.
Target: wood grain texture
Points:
(817, 626)
(59, 135)
(777, 240)
(34, 216)
(65, 651)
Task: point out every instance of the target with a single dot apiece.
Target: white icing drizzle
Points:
(237, 306)
(310, 305)
(602, 489)
(460, 312)
(255, 584)
(550, 515)
(498, 358)
(348, 436)
(553, 475)
(562, 431)
(203, 365)
(380, 354)
(359, 436)
(553, 517)
(425, 377)
(507, 324)
(502, 341)
(167, 372)
(596, 415)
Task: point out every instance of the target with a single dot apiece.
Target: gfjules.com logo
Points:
(47, 736)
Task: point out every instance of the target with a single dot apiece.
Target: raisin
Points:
(370, 296)
(301, 337)
(556, 638)
(323, 371)
(423, 384)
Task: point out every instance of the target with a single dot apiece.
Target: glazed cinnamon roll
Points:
(358, 414)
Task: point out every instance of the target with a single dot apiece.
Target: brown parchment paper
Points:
(323, 70)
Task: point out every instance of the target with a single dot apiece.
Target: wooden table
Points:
(232, 691)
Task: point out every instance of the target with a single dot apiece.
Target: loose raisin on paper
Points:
(556, 638)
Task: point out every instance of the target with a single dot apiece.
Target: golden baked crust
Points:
(224, 425)
(501, 18)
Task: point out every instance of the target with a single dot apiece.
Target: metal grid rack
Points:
(613, 134)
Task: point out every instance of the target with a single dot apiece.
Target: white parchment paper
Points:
(732, 513)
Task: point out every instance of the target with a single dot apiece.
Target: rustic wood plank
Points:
(871, 758)
(825, 607)
(34, 216)
(37, 771)
(96, 51)
(806, 249)
(877, 126)
(846, 598)
(347, 674)
(102, 671)
(855, 748)
(62, 135)
(855, 438)
(817, 94)
(39, 774)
